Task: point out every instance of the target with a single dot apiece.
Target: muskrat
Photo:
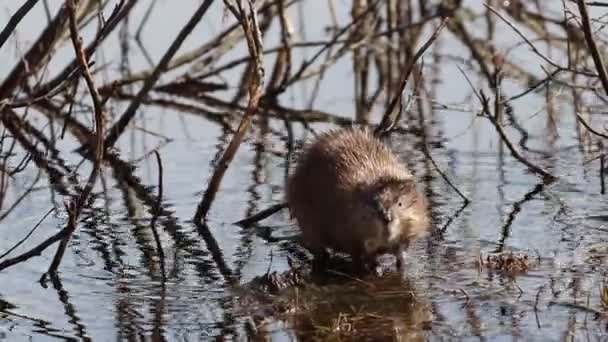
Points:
(351, 194)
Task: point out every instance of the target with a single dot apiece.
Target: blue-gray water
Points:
(111, 289)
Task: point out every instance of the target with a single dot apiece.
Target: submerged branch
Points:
(259, 216)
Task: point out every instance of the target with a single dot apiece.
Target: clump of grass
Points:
(508, 261)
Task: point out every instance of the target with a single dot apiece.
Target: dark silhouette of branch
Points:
(28, 234)
(591, 129)
(15, 19)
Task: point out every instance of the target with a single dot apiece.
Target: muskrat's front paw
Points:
(365, 265)
(401, 255)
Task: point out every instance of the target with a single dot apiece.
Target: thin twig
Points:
(35, 251)
(28, 234)
(532, 46)
(465, 199)
(591, 129)
(388, 121)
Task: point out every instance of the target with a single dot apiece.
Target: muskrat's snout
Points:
(400, 208)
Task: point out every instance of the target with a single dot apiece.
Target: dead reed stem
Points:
(75, 208)
(249, 23)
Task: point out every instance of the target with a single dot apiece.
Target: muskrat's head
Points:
(400, 207)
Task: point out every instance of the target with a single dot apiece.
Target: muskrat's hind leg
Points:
(320, 260)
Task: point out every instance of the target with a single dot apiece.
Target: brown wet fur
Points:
(346, 187)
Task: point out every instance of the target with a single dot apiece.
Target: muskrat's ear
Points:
(406, 186)
(377, 205)
(395, 186)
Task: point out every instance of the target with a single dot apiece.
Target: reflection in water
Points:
(327, 64)
(70, 310)
(385, 309)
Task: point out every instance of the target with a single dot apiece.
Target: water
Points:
(111, 286)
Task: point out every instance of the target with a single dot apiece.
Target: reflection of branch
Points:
(216, 251)
(506, 228)
(452, 218)
(445, 178)
(159, 246)
(70, 310)
(485, 102)
(532, 167)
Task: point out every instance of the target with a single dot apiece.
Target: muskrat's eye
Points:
(399, 204)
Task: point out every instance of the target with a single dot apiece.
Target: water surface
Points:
(111, 286)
